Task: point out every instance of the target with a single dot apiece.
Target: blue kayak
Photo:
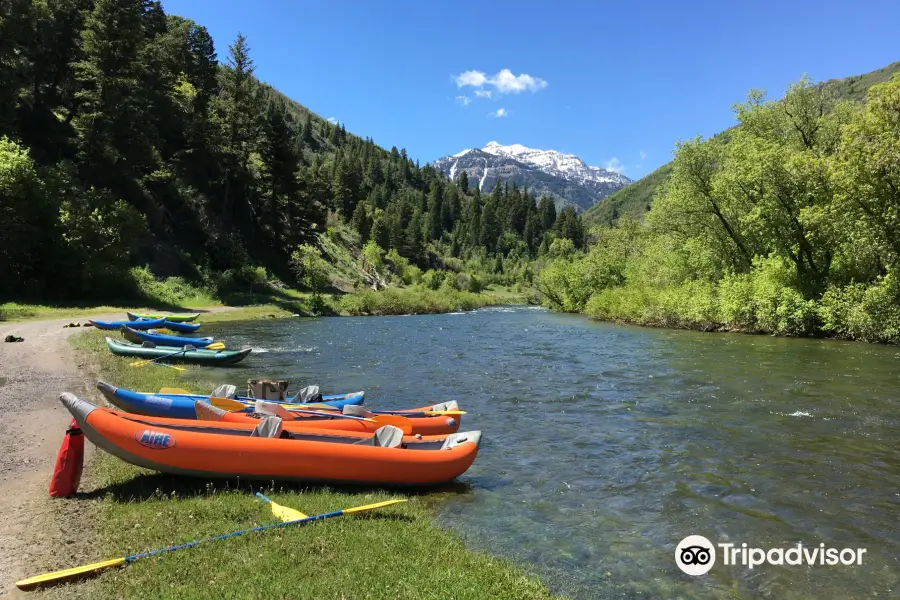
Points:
(160, 339)
(148, 324)
(173, 325)
(181, 406)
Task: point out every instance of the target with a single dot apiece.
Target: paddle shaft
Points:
(70, 573)
(182, 351)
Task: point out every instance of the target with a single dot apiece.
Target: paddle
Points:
(215, 346)
(285, 513)
(399, 413)
(229, 404)
(65, 574)
(141, 363)
(401, 422)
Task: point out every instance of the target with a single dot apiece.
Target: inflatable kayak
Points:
(177, 353)
(115, 325)
(173, 325)
(268, 452)
(182, 406)
(208, 413)
(161, 339)
(178, 317)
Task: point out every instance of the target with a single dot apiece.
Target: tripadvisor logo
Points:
(696, 555)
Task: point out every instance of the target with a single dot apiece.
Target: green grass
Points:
(414, 300)
(14, 311)
(397, 552)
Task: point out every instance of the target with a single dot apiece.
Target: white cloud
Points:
(615, 165)
(332, 120)
(473, 78)
(503, 82)
(643, 155)
(500, 112)
(464, 100)
(484, 93)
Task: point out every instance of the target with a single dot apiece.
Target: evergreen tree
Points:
(113, 118)
(381, 232)
(464, 182)
(547, 211)
(569, 226)
(361, 221)
(490, 227)
(435, 200)
(239, 108)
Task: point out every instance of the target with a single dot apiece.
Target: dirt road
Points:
(35, 528)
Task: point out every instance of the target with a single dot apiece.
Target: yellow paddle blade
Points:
(286, 513)
(373, 506)
(180, 391)
(227, 403)
(215, 346)
(31, 582)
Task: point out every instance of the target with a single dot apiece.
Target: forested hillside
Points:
(130, 150)
(791, 225)
(635, 199)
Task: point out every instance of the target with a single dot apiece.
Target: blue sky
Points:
(615, 83)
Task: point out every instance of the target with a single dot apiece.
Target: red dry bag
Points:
(69, 462)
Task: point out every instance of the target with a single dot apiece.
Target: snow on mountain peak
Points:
(567, 166)
(564, 176)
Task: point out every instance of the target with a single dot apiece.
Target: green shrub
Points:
(870, 314)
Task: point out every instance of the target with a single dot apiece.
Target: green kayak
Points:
(177, 317)
(173, 353)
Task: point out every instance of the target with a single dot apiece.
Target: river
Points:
(604, 446)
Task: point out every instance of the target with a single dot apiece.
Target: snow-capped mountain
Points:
(544, 172)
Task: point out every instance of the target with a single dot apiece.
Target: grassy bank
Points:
(284, 303)
(395, 553)
(417, 300)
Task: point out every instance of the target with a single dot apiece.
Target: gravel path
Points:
(36, 529)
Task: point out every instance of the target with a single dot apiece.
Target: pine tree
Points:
(490, 227)
(361, 221)
(464, 182)
(435, 200)
(307, 134)
(113, 117)
(280, 162)
(568, 225)
(381, 232)
(547, 211)
(239, 106)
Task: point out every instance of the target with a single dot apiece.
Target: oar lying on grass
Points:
(147, 361)
(285, 513)
(401, 422)
(65, 574)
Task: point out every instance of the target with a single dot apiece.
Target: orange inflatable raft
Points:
(267, 451)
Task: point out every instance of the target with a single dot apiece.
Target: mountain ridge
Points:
(565, 177)
(635, 199)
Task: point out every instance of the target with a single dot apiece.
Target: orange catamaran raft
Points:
(215, 449)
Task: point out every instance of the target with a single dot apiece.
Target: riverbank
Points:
(124, 509)
(416, 300)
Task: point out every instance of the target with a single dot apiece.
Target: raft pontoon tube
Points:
(269, 452)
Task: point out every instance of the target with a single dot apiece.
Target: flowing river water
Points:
(604, 446)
